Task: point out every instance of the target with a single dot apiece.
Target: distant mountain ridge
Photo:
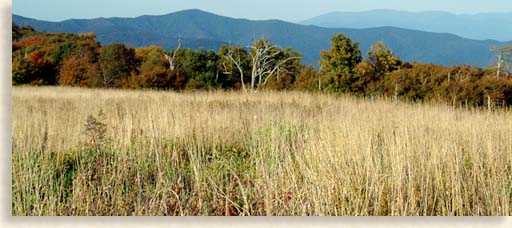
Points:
(481, 26)
(201, 29)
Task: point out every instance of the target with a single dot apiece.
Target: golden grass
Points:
(271, 153)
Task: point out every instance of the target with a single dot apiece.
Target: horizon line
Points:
(260, 19)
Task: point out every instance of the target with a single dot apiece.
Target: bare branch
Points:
(238, 64)
(173, 57)
(278, 66)
(503, 55)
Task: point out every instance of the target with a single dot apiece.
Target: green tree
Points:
(339, 64)
(150, 57)
(23, 71)
(200, 67)
(117, 62)
(382, 59)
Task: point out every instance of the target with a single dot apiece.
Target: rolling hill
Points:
(474, 26)
(201, 29)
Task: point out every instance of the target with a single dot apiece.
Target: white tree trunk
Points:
(264, 64)
(171, 58)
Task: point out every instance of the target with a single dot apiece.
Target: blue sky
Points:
(290, 10)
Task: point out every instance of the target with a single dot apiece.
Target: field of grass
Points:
(108, 152)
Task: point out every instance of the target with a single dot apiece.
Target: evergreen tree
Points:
(339, 64)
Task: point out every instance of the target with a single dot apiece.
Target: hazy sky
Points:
(290, 10)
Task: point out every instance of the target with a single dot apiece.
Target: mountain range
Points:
(474, 26)
(201, 29)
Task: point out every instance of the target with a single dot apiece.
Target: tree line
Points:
(41, 58)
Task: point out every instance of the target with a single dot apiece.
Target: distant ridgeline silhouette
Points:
(482, 26)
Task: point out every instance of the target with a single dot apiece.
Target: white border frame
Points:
(6, 220)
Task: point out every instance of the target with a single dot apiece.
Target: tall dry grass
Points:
(229, 153)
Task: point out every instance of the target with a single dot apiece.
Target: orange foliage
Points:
(36, 57)
(30, 42)
(79, 70)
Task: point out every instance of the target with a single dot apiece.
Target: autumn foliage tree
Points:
(307, 79)
(39, 56)
(372, 71)
(80, 69)
(33, 68)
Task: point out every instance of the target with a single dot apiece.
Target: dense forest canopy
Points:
(41, 58)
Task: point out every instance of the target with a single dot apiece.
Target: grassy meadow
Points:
(115, 152)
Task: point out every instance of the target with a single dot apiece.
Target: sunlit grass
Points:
(270, 153)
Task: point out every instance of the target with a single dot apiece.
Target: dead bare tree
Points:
(320, 78)
(503, 55)
(265, 63)
(170, 58)
(238, 64)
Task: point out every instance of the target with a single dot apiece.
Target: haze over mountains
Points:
(201, 29)
(481, 26)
